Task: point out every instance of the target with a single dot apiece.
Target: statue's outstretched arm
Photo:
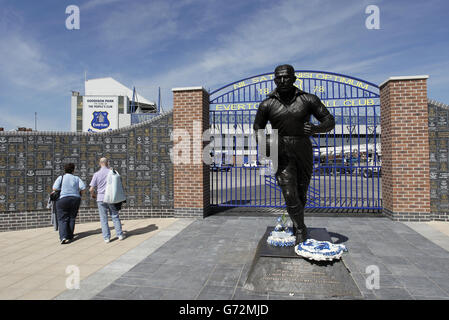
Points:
(261, 120)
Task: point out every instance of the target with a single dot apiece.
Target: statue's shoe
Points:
(301, 236)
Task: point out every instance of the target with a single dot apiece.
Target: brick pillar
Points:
(191, 174)
(405, 148)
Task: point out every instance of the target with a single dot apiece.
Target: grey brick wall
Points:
(408, 216)
(10, 221)
(189, 212)
(30, 162)
(439, 160)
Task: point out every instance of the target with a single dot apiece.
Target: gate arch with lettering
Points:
(347, 160)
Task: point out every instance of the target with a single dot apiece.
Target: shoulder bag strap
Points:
(79, 191)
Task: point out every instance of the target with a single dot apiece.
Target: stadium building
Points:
(107, 105)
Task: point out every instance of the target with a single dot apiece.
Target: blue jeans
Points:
(104, 208)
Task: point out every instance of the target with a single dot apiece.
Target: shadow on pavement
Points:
(340, 238)
(84, 234)
(147, 229)
(135, 232)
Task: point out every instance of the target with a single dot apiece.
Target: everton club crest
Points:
(100, 120)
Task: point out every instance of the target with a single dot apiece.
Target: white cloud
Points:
(32, 80)
(283, 33)
(150, 26)
(24, 63)
(96, 3)
(11, 120)
(139, 24)
(319, 35)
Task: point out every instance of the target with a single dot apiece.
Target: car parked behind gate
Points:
(373, 170)
(253, 164)
(220, 167)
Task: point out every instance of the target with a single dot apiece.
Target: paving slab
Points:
(207, 259)
(435, 231)
(33, 263)
(393, 294)
(105, 277)
(225, 245)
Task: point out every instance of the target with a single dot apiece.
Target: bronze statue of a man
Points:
(289, 109)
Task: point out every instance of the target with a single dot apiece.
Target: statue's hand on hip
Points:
(308, 128)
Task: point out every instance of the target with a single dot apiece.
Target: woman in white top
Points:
(69, 202)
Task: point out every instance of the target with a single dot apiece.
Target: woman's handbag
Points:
(56, 194)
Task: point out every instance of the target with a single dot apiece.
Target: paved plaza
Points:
(209, 259)
(33, 263)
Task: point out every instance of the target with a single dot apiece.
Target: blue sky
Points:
(167, 44)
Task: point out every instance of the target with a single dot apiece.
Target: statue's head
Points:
(284, 77)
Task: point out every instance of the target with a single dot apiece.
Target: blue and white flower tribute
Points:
(312, 249)
(282, 236)
(320, 250)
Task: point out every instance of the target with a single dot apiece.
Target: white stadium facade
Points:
(107, 105)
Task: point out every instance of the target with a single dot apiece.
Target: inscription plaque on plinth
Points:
(281, 270)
